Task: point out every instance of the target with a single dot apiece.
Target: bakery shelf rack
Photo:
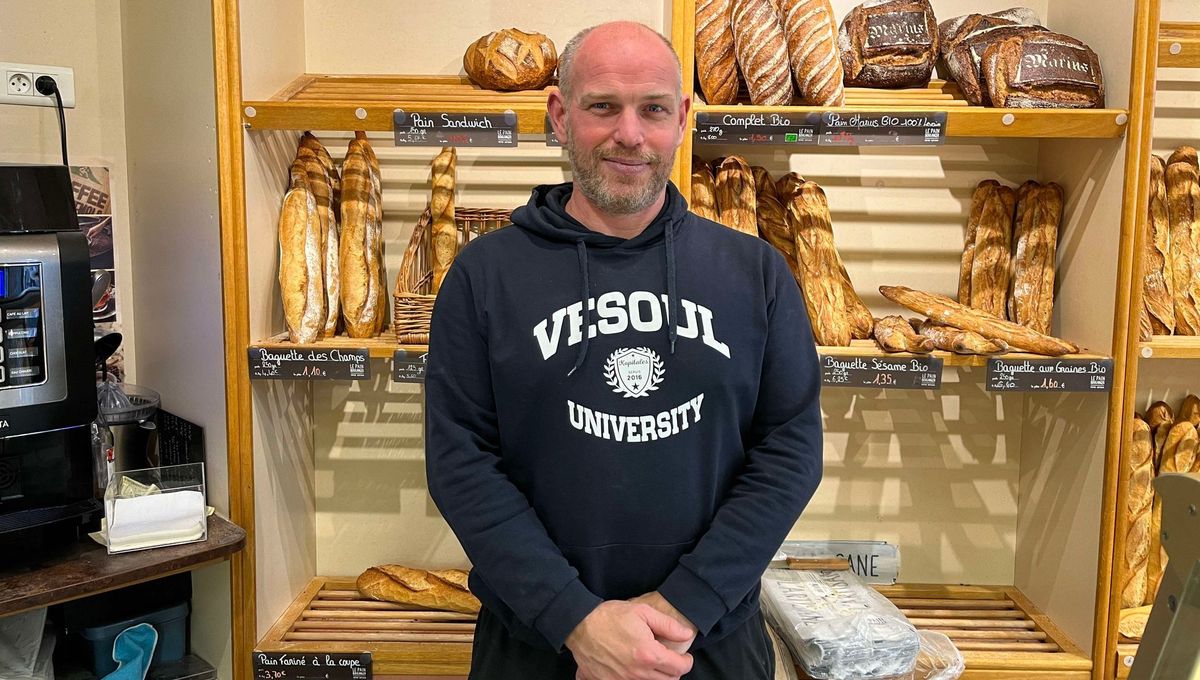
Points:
(366, 102)
(1170, 347)
(1179, 44)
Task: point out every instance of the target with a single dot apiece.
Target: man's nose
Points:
(629, 128)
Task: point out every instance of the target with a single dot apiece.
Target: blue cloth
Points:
(132, 651)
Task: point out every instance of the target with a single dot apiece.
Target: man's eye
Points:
(656, 108)
(599, 106)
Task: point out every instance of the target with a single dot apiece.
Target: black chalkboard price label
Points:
(799, 129)
(840, 128)
(308, 363)
(443, 128)
(311, 666)
(901, 372)
(1049, 375)
(408, 367)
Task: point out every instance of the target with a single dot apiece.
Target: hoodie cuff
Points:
(694, 598)
(559, 619)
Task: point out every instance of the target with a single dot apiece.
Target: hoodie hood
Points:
(546, 215)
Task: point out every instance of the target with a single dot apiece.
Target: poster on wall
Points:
(92, 188)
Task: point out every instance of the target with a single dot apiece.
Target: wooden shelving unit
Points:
(350, 102)
(962, 119)
(1170, 347)
(382, 346)
(996, 628)
(1179, 44)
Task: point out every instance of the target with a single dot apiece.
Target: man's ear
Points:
(685, 107)
(556, 106)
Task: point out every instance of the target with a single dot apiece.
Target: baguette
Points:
(320, 182)
(979, 198)
(762, 52)
(301, 260)
(1183, 197)
(1159, 414)
(1190, 410)
(716, 63)
(951, 339)
(943, 309)
(735, 194)
(1132, 622)
(1178, 455)
(1158, 283)
(354, 248)
(1031, 302)
(419, 589)
(1184, 154)
(894, 334)
(811, 33)
(771, 216)
(808, 218)
(377, 286)
(993, 244)
(441, 209)
(704, 199)
(1139, 500)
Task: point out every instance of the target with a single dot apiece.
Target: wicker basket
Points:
(413, 305)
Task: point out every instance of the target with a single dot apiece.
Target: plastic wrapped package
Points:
(938, 659)
(837, 627)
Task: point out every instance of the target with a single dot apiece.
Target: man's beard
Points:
(588, 173)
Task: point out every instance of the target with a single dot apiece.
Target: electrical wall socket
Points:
(18, 84)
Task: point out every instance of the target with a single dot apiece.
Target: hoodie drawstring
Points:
(585, 293)
(672, 298)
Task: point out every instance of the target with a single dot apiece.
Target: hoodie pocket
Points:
(620, 571)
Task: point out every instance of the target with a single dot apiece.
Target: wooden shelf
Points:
(997, 629)
(382, 346)
(1179, 44)
(962, 119)
(366, 102)
(868, 348)
(1124, 659)
(1170, 347)
(87, 568)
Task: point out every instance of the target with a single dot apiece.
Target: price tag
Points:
(408, 367)
(873, 561)
(551, 138)
(311, 666)
(901, 372)
(1049, 375)
(305, 363)
(440, 128)
(798, 129)
(882, 129)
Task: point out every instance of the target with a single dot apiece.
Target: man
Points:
(622, 402)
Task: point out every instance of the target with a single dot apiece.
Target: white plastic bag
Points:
(837, 627)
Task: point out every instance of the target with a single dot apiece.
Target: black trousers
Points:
(744, 654)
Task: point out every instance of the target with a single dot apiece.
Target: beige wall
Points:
(86, 36)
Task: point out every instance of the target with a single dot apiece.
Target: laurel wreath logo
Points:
(656, 373)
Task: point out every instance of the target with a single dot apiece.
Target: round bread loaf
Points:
(511, 59)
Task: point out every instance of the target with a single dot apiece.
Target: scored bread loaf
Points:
(444, 589)
(951, 339)
(762, 52)
(1183, 202)
(320, 183)
(511, 59)
(770, 215)
(736, 196)
(716, 63)
(990, 266)
(301, 259)
(808, 218)
(357, 244)
(894, 334)
(953, 31)
(1158, 281)
(704, 191)
(1039, 209)
(889, 43)
(444, 229)
(1139, 501)
(963, 58)
(942, 309)
(979, 198)
(811, 32)
(377, 287)
(1041, 69)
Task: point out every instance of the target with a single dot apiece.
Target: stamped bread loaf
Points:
(889, 43)
(762, 52)
(716, 63)
(1042, 69)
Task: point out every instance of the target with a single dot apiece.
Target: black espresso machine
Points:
(47, 372)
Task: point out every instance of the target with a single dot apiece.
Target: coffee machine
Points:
(47, 374)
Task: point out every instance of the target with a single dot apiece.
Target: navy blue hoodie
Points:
(609, 417)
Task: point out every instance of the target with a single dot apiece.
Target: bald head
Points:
(627, 35)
